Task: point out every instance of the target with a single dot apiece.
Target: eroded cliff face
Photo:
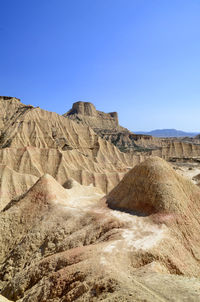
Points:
(34, 141)
(107, 127)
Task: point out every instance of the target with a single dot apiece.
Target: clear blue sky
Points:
(138, 57)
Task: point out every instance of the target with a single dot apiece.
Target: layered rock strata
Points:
(106, 125)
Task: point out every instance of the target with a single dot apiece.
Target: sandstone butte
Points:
(107, 126)
(82, 221)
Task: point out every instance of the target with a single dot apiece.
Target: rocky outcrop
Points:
(107, 127)
(83, 108)
(9, 98)
(86, 113)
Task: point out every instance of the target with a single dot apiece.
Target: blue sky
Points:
(138, 57)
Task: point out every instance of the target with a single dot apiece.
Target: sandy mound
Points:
(65, 245)
(153, 186)
(47, 189)
(50, 221)
(155, 190)
(20, 214)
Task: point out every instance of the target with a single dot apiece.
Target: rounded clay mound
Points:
(153, 186)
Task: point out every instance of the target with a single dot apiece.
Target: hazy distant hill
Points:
(167, 133)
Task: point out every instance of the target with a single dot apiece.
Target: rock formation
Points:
(63, 240)
(106, 126)
(86, 113)
(34, 141)
(67, 245)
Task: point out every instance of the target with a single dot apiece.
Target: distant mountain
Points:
(168, 133)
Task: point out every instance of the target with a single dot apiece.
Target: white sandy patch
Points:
(109, 248)
(80, 197)
(138, 232)
(125, 217)
(146, 241)
(139, 235)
